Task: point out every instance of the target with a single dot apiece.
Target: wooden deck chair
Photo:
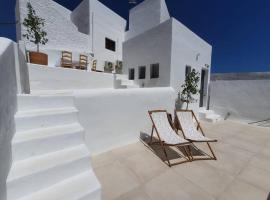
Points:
(94, 65)
(185, 123)
(166, 134)
(66, 60)
(83, 62)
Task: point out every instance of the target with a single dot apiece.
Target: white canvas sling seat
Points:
(167, 135)
(189, 129)
(185, 121)
(164, 129)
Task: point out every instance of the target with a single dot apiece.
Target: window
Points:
(131, 74)
(110, 44)
(188, 70)
(154, 71)
(142, 70)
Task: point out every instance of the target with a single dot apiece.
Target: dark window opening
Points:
(154, 71)
(131, 74)
(142, 71)
(188, 70)
(110, 44)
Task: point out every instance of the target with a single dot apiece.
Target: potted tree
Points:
(190, 87)
(35, 34)
(108, 67)
(118, 67)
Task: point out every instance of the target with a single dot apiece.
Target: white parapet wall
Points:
(246, 96)
(58, 78)
(8, 107)
(113, 118)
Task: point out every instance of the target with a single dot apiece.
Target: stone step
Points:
(213, 118)
(121, 76)
(84, 186)
(45, 140)
(42, 118)
(32, 102)
(40, 172)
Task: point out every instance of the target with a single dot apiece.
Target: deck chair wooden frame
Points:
(177, 124)
(83, 62)
(163, 144)
(66, 60)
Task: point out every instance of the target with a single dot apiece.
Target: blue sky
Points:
(238, 30)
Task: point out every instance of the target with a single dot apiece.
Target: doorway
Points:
(203, 89)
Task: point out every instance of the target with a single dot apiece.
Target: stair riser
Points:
(121, 76)
(43, 102)
(43, 121)
(94, 195)
(26, 149)
(24, 186)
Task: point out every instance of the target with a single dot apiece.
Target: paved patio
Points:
(242, 171)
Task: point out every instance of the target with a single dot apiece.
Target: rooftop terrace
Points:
(241, 172)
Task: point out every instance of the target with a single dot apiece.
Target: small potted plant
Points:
(190, 87)
(35, 34)
(118, 67)
(108, 67)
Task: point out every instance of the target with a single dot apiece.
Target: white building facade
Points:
(156, 51)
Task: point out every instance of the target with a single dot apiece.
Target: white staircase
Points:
(49, 158)
(209, 115)
(122, 81)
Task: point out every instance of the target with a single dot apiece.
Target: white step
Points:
(52, 92)
(45, 140)
(133, 86)
(127, 82)
(204, 113)
(121, 76)
(84, 186)
(213, 118)
(31, 102)
(31, 175)
(34, 119)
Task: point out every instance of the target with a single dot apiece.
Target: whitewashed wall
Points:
(245, 100)
(58, 78)
(188, 49)
(8, 107)
(62, 33)
(113, 118)
(99, 22)
(151, 47)
(146, 15)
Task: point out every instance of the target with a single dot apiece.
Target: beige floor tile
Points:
(227, 162)
(209, 178)
(256, 176)
(241, 142)
(234, 151)
(266, 150)
(145, 165)
(136, 194)
(116, 180)
(261, 161)
(240, 190)
(103, 159)
(170, 186)
(126, 151)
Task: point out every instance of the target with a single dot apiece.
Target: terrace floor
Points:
(242, 171)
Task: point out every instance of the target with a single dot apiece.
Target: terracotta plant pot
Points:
(38, 58)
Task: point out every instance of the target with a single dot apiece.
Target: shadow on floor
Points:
(172, 152)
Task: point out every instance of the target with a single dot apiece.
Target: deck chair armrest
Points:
(198, 124)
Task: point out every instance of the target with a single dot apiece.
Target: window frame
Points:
(154, 74)
(144, 72)
(129, 74)
(110, 44)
